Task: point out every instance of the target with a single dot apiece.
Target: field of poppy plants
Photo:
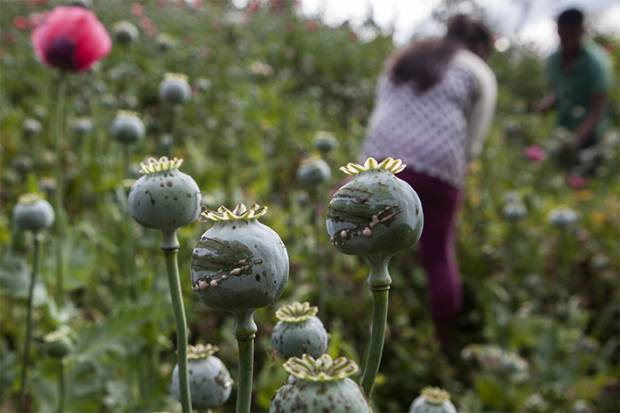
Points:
(179, 226)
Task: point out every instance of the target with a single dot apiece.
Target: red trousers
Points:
(440, 203)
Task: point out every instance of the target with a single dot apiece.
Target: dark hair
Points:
(425, 61)
(571, 17)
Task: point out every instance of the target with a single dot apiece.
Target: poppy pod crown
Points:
(71, 38)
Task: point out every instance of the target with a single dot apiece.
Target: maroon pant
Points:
(440, 203)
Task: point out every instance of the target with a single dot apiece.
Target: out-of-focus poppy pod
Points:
(71, 38)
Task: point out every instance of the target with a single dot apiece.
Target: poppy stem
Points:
(60, 227)
(61, 386)
(171, 252)
(26, 353)
(379, 281)
(245, 331)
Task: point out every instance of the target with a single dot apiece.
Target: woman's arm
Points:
(481, 114)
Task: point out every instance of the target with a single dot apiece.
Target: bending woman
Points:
(433, 108)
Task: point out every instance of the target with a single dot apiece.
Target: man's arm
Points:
(587, 126)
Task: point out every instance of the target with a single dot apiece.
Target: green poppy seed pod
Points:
(432, 400)
(319, 385)
(313, 171)
(209, 380)
(32, 213)
(535, 403)
(203, 84)
(31, 127)
(163, 197)
(40, 111)
(514, 211)
(108, 100)
(583, 406)
(125, 32)
(22, 164)
(325, 142)
(59, 344)
(298, 331)
(174, 89)
(164, 42)
(127, 127)
(512, 196)
(239, 263)
(497, 361)
(82, 126)
(562, 217)
(375, 213)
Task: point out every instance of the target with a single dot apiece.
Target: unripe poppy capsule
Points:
(164, 198)
(299, 331)
(33, 213)
(239, 263)
(174, 89)
(209, 379)
(375, 213)
(127, 127)
(321, 384)
(432, 400)
(125, 32)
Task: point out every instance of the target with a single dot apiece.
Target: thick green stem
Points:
(379, 281)
(26, 353)
(245, 331)
(179, 313)
(60, 227)
(61, 386)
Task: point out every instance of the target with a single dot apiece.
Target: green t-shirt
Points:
(591, 73)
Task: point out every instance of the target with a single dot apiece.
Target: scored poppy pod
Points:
(71, 38)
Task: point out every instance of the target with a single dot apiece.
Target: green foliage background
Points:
(547, 294)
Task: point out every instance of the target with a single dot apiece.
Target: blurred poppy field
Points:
(539, 243)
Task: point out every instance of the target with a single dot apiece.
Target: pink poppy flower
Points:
(71, 38)
(535, 153)
(577, 182)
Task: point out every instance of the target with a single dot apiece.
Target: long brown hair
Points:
(425, 61)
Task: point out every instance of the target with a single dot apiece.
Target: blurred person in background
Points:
(433, 108)
(579, 76)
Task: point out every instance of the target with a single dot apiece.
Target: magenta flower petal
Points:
(535, 153)
(71, 38)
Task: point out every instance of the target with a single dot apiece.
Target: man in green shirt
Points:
(580, 78)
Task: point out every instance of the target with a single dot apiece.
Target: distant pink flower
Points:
(253, 6)
(148, 26)
(71, 38)
(312, 26)
(35, 3)
(535, 153)
(577, 182)
(21, 23)
(36, 19)
(137, 9)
